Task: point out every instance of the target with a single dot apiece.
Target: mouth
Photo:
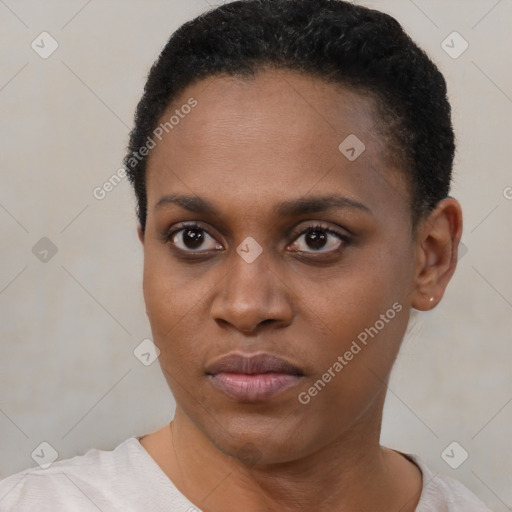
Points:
(253, 378)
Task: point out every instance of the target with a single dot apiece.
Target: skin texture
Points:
(247, 146)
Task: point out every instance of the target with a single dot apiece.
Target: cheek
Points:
(169, 292)
(170, 310)
(167, 296)
(364, 316)
(352, 368)
(363, 336)
(353, 297)
(176, 298)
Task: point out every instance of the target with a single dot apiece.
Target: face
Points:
(278, 267)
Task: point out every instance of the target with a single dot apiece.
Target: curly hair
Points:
(333, 40)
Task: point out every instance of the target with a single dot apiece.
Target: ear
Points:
(140, 233)
(437, 243)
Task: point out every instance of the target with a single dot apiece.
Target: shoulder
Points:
(442, 493)
(95, 480)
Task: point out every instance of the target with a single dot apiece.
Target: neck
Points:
(352, 473)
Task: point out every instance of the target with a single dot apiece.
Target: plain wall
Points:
(69, 326)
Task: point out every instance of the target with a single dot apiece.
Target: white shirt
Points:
(128, 479)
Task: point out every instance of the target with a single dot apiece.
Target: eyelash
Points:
(193, 225)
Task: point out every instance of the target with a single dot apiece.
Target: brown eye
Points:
(193, 239)
(316, 238)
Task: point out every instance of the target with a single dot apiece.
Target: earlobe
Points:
(437, 247)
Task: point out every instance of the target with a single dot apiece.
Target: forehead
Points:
(279, 134)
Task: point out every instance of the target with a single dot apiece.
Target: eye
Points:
(318, 238)
(192, 238)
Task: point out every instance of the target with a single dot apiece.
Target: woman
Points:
(291, 161)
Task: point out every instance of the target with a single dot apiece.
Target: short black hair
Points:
(334, 40)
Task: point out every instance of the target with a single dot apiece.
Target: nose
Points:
(251, 295)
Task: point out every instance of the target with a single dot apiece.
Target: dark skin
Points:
(249, 145)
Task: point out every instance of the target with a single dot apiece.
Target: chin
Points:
(259, 440)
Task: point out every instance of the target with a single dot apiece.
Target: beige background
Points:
(69, 326)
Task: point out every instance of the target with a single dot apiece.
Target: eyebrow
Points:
(290, 208)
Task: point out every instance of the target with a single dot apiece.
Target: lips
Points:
(253, 378)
